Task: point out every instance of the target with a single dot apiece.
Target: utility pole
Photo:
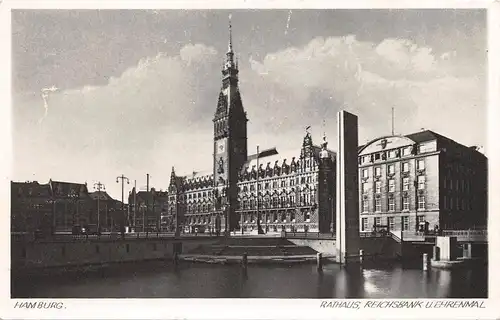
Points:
(99, 186)
(135, 201)
(147, 204)
(392, 131)
(122, 178)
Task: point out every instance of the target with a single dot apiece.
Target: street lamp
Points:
(99, 186)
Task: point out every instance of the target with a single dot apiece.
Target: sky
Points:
(137, 89)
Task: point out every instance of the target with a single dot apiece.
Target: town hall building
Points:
(253, 193)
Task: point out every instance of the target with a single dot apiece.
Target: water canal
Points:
(191, 280)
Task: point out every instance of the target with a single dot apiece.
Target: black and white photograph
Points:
(250, 153)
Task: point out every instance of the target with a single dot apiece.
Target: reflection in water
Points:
(156, 279)
(444, 279)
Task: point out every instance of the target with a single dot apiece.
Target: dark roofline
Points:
(69, 183)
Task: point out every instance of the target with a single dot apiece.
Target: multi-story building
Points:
(283, 194)
(58, 206)
(421, 181)
(150, 209)
(110, 211)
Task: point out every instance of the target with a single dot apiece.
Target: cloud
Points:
(158, 113)
(125, 125)
(369, 79)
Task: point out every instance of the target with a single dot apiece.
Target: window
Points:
(420, 219)
(283, 183)
(378, 172)
(365, 173)
(406, 151)
(445, 202)
(364, 224)
(392, 185)
(390, 169)
(420, 164)
(275, 184)
(378, 187)
(406, 203)
(406, 184)
(406, 223)
(377, 156)
(421, 182)
(377, 221)
(406, 167)
(275, 202)
(391, 204)
(378, 205)
(307, 216)
(390, 222)
(267, 185)
(366, 187)
(365, 205)
(292, 182)
(392, 154)
(292, 216)
(421, 202)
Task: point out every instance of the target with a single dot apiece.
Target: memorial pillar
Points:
(347, 213)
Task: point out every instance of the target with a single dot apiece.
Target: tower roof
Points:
(230, 43)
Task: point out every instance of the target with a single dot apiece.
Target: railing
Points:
(108, 236)
(306, 235)
(467, 235)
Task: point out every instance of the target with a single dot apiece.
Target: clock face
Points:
(221, 147)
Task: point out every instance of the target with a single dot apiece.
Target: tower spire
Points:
(230, 44)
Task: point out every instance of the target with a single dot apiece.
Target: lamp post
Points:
(99, 186)
(122, 178)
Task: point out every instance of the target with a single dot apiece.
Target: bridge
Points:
(469, 236)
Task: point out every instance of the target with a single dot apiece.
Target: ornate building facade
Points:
(421, 181)
(249, 192)
(417, 182)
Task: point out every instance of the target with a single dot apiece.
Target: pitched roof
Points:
(66, 189)
(102, 195)
(426, 135)
(30, 188)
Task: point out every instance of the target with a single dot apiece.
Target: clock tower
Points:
(230, 143)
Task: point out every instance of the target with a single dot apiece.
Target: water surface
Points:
(191, 280)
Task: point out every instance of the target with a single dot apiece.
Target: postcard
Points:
(253, 160)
